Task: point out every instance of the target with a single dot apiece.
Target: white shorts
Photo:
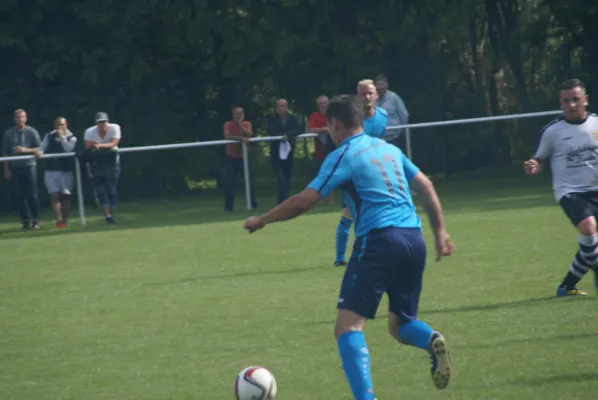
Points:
(59, 182)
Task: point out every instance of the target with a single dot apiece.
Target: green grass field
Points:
(174, 301)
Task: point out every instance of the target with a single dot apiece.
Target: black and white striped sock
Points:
(585, 259)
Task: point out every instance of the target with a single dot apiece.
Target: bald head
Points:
(282, 107)
(322, 102)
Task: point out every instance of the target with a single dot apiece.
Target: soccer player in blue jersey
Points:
(389, 254)
(374, 124)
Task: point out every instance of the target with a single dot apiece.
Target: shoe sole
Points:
(442, 375)
(567, 294)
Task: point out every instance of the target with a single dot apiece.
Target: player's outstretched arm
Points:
(289, 209)
(431, 203)
(533, 166)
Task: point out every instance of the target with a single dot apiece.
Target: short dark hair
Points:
(572, 84)
(381, 77)
(346, 109)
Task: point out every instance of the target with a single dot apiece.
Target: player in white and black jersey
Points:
(571, 143)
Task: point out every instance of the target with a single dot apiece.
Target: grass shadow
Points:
(530, 340)
(476, 308)
(148, 214)
(460, 195)
(558, 379)
(232, 276)
(495, 306)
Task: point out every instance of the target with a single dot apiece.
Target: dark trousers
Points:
(105, 187)
(25, 181)
(233, 166)
(283, 170)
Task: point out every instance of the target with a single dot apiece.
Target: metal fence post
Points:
(246, 175)
(80, 201)
(408, 143)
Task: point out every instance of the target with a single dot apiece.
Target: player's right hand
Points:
(444, 244)
(531, 167)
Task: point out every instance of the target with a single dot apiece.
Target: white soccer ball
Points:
(255, 383)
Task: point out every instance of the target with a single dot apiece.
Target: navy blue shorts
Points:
(387, 260)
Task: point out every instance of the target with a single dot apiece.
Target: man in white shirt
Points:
(103, 139)
(58, 176)
(571, 143)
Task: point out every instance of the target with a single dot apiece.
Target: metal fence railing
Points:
(408, 128)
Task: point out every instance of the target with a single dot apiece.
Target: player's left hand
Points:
(253, 224)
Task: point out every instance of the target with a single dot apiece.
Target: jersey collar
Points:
(351, 138)
(578, 122)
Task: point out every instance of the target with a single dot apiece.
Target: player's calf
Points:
(354, 353)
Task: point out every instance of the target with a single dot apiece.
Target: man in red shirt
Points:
(317, 124)
(237, 129)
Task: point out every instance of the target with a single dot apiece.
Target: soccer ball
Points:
(255, 383)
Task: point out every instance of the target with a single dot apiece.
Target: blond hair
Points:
(19, 111)
(365, 82)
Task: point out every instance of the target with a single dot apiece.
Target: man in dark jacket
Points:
(281, 152)
(22, 140)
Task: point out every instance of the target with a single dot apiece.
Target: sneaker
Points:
(110, 220)
(25, 227)
(35, 225)
(563, 291)
(60, 225)
(442, 368)
(340, 263)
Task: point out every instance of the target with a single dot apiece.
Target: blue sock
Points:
(416, 333)
(342, 238)
(356, 363)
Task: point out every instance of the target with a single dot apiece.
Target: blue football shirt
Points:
(376, 125)
(374, 176)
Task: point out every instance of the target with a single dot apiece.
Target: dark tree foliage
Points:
(168, 70)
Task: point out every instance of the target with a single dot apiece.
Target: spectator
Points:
(102, 140)
(22, 140)
(59, 172)
(237, 129)
(281, 152)
(394, 106)
(323, 143)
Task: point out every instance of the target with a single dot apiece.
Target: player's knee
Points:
(348, 321)
(393, 331)
(347, 214)
(345, 223)
(394, 323)
(587, 227)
